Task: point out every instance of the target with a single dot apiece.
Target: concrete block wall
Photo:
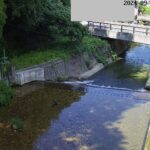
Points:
(29, 75)
(53, 70)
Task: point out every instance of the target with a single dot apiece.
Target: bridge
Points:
(120, 31)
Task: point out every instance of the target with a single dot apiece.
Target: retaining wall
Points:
(57, 70)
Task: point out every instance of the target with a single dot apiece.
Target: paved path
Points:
(104, 119)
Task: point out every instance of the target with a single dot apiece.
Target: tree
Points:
(66, 2)
(31, 19)
(26, 12)
(2, 16)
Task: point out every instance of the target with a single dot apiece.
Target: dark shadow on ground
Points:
(38, 104)
(87, 123)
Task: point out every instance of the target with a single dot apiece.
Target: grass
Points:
(61, 49)
(37, 57)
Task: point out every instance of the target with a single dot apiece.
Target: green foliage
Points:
(60, 49)
(141, 8)
(6, 94)
(41, 19)
(101, 58)
(2, 16)
(114, 55)
(63, 49)
(16, 123)
(91, 44)
(37, 57)
(76, 31)
(26, 12)
(66, 2)
(147, 10)
(144, 9)
(95, 46)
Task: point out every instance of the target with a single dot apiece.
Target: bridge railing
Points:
(119, 27)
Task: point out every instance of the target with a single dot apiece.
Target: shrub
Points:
(6, 94)
(16, 123)
(144, 9)
(91, 44)
(95, 46)
(114, 55)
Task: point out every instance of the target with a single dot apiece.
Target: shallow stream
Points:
(98, 114)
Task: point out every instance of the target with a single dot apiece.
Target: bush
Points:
(144, 9)
(91, 44)
(76, 31)
(16, 123)
(95, 46)
(6, 94)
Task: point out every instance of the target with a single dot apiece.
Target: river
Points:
(130, 72)
(109, 111)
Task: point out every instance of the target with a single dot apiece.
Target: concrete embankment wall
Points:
(75, 67)
(147, 86)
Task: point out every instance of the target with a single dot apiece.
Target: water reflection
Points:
(39, 108)
(101, 120)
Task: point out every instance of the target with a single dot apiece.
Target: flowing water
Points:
(109, 111)
(130, 72)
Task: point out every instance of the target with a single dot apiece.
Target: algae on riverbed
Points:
(131, 71)
(38, 109)
(147, 142)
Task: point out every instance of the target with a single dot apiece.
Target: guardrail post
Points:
(147, 31)
(121, 28)
(88, 24)
(110, 26)
(133, 30)
(100, 25)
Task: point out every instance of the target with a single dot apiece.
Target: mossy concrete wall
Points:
(57, 70)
